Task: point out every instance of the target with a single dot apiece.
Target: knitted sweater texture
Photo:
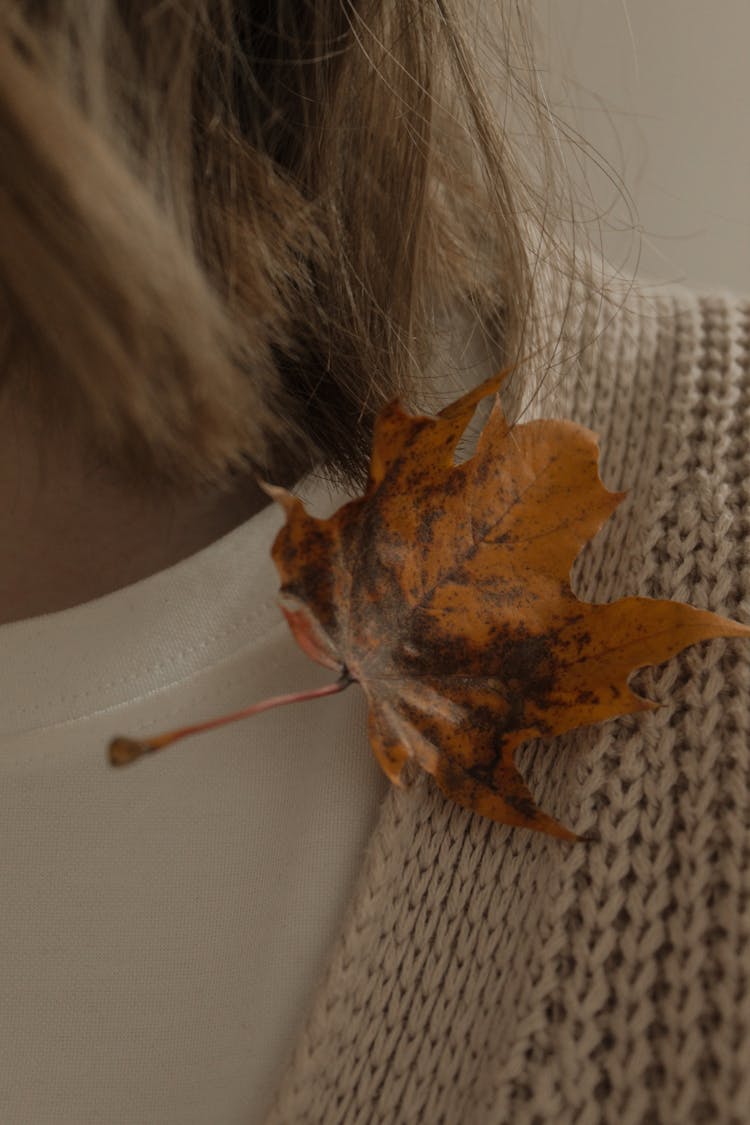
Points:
(486, 975)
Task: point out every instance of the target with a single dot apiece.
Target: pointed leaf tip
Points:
(282, 496)
(469, 401)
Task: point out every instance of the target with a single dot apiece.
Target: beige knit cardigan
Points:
(493, 975)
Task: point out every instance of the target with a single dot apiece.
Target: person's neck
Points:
(74, 535)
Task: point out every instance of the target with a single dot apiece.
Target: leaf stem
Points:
(123, 750)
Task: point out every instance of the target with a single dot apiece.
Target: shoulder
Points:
(656, 916)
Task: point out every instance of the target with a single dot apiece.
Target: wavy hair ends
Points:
(229, 231)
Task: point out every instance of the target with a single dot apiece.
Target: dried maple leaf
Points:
(444, 592)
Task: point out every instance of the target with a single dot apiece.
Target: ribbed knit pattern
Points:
(488, 975)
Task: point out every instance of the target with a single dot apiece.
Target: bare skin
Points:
(74, 535)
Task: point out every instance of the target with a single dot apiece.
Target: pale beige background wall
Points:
(661, 88)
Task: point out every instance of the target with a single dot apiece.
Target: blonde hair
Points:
(228, 231)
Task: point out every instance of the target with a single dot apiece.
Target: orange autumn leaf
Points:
(444, 592)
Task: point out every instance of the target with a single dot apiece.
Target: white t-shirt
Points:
(163, 924)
